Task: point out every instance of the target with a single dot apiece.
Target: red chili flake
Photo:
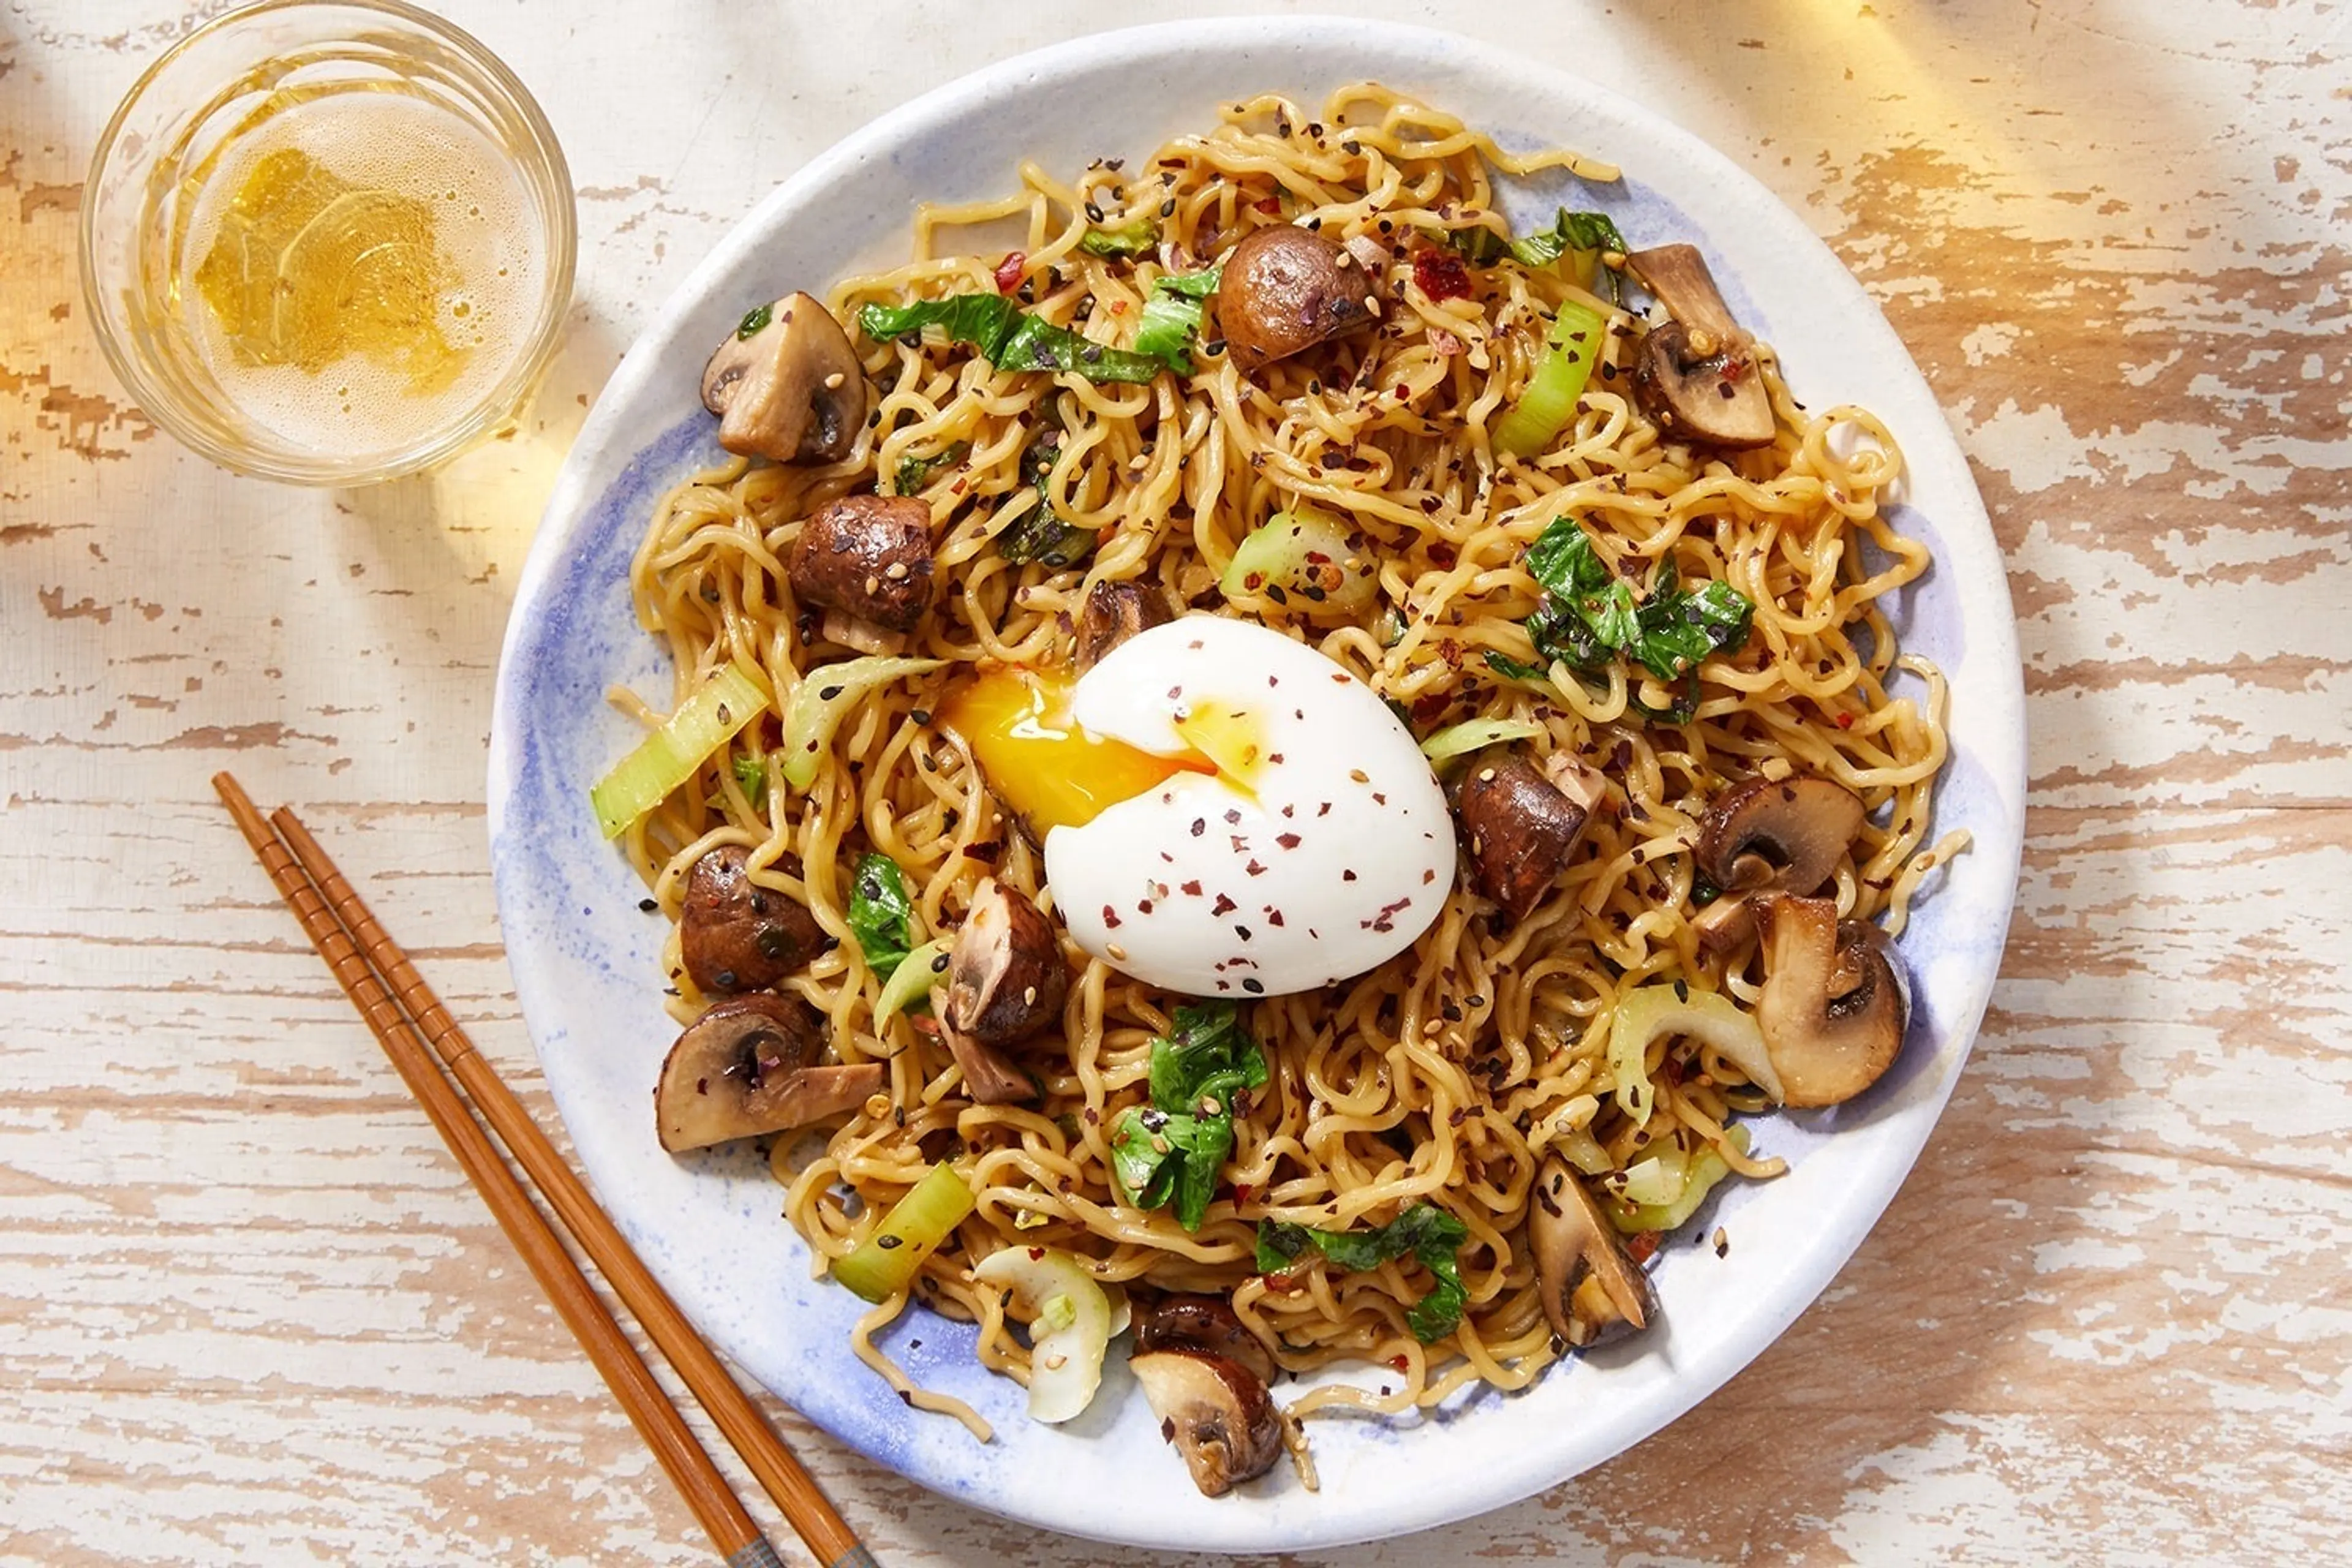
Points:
(1255, 869)
(1642, 1247)
(1347, 876)
(1193, 887)
(1441, 275)
(1401, 1363)
(1267, 205)
(1272, 917)
(1425, 709)
(1287, 840)
(1442, 552)
(1845, 722)
(1223, 906)
(1733, 369)
(1111, 917)
(1009, 271)
(1242, 1191)
(1037, 1254)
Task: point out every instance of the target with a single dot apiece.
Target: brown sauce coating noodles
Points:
(1448, 1072)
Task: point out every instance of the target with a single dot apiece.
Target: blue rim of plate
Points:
(584, 959)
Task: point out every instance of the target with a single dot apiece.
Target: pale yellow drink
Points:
(356, 268)
(327, 241)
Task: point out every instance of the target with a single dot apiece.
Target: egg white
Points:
(1336, 858)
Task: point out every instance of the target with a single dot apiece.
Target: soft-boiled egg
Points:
(1225, 812)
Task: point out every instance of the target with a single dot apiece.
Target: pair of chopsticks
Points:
(406, 1014)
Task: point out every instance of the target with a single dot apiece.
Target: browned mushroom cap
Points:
(1522, 829)
(1006, 974)
(1217, 1413)
(1201, 1324)
(791, 390)
(1785, 837)
(1287, 289)
(1835, 1004)
(1591, 1288)
(736, 935)
(746, 1067)
(867, 556)
(1114, 612)
(1695, 374)
(989, 1076)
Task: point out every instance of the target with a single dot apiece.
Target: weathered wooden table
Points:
(250, 1313)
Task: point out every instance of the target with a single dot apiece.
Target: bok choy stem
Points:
(668, 757)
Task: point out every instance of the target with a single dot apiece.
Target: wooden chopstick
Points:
(706, 1491)
(731, 1409)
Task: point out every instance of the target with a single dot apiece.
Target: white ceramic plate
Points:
(585, 959)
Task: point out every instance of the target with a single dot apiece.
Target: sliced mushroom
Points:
(1834, 1003)
(1782, 835)
(1591, 1290)
(746, 1067)
(735, 935)
(1006, 978)
(1286, 289)
(868, 556)
(1114, 612)
(1695, 374)
(1217, 1413)
(791, 390)
(1522, 827)
(1201, 1324)
(989, 1076)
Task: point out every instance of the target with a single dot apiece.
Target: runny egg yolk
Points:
(1041, 763)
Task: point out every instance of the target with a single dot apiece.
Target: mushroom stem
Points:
(1832, 1010)
(1217, 1412)
(1590, 1287)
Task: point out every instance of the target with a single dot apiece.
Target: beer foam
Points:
(485, 228)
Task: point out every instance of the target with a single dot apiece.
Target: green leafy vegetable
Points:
(1511, 669)
(1171, 1151)
(1590, 616)
(1171, 317)
(1131, 238)
(751, 773)
(1424, 1231)
(881, 912)
(1587, 232)
(914, 472)
(1008, 337)
(670, 756)
(1548, 401)
(1041, 534)
(755, 321)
